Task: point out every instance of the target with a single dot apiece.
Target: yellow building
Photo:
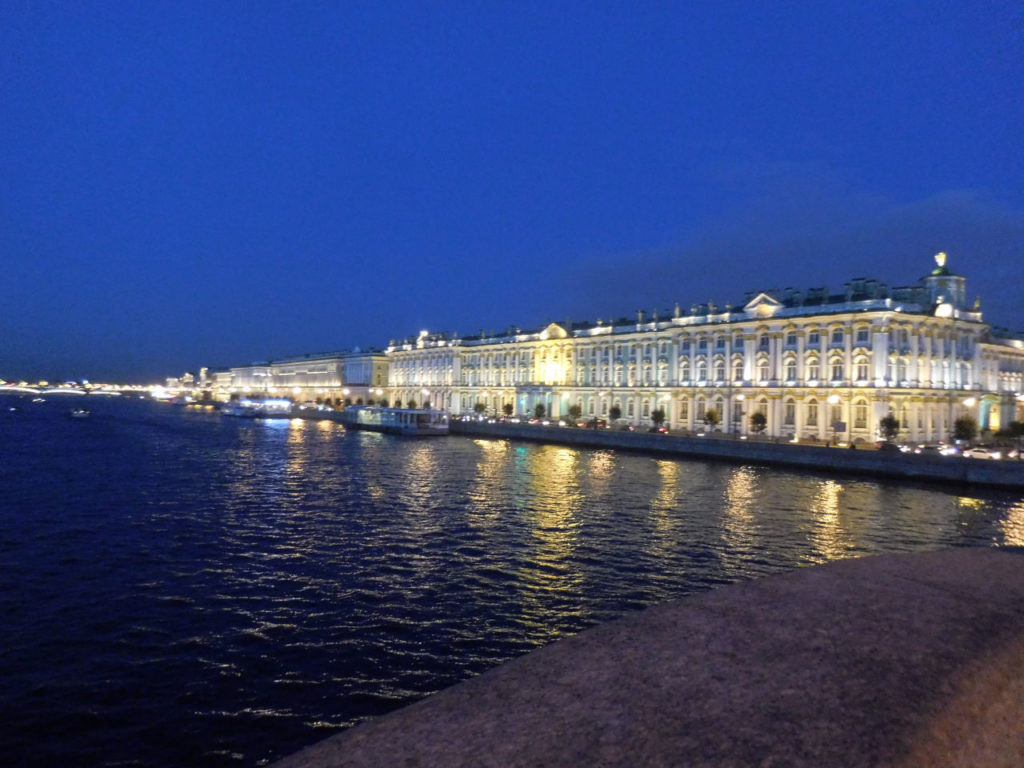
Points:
(818, 366)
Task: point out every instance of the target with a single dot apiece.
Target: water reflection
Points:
(1012, 526)
(828, 537)
(738, 525)
(664, 508)
(487, 495)
(550, 578)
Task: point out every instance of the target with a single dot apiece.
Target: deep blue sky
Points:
(186, 184)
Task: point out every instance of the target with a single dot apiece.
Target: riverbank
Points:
(896, 660)
(945, 469)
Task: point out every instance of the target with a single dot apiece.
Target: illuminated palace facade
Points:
(819, 366)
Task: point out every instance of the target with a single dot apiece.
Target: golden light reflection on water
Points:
(549, 577)
(738, 526)
(828, 536)
(1012, 526)
(664, 508)
(488, 494)
(600, 469)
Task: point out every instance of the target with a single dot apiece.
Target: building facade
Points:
(818, 366)
(336, 377)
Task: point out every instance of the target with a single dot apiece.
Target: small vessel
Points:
(396, 421)
(274, 408)
(79, 413)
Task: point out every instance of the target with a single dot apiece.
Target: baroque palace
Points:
(819, 366)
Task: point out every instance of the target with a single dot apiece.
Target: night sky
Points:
(188, 184)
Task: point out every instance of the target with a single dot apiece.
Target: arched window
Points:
(719, 370)
(684, 370)
(837, 368)
(791, 369)
(813, 369)
(646, 409)
(700, 409)
(789, 413)
(684, 409)
(763, 370)
(702, 371)
(737, 371)
(860, 413)
(862, 368)
(812, 413)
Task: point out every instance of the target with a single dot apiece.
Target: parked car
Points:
(884, 445)
(662, 429)
(928, 450)
(983, 452)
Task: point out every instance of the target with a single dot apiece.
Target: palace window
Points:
(762, 371)
(860, 414)
(789, 413)
(737, 371)
(646, 409)
(813, 339)
(812, 413)
(719, 371)
(862, 335)
(629, 407)
(813, 369)
(763, 342)
(684, 370)
(702, 345)
(837, 336)
(791, 370)
(862, 369)
(791, 339)
(837, 370)
(702, 371)
(720, 343)
(684, 409)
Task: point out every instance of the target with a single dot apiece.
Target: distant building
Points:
(335, 377)
(819, 366)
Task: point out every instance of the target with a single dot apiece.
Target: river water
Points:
(180, 588)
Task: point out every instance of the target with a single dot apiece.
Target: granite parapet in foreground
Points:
(896, 660)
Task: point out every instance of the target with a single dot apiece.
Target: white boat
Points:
(79, 413)
(396, 421)
(275, 408)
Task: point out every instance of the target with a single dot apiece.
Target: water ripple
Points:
(181, 589)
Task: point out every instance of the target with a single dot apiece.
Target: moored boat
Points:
(396, 421)
(275, 408)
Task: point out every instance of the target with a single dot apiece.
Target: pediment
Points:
(554, 331)
(763, 305)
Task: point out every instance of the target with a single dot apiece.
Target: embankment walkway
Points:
(897, 660)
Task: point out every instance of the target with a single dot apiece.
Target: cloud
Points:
(807, 234)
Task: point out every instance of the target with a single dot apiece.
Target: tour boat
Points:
(396, 421)
(274, 408)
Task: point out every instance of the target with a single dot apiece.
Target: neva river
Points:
(178, 588)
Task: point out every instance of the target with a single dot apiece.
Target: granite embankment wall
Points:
(903, 661)
(949, 469)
